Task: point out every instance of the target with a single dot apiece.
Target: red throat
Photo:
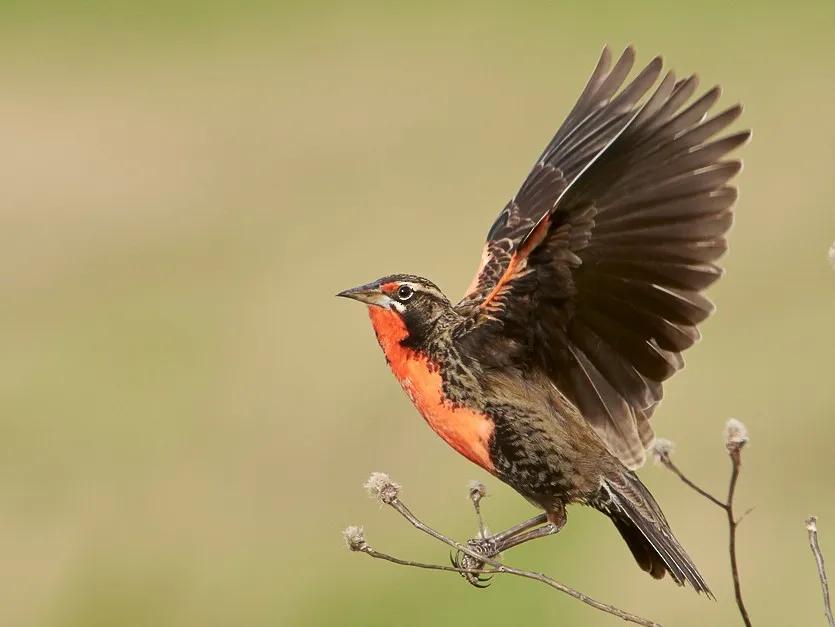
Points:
(467, 431)
(389, 327)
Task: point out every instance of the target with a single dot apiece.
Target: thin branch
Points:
(744, 515)
(498, 567)
(387, 492)
(736, 437)
(668, 463)
(812, 528)
(450, 569)
(736, 461)
(478, 491)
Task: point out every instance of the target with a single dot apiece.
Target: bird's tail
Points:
(642, 524)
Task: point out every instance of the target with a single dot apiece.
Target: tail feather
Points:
(648, 558)
(647, 534)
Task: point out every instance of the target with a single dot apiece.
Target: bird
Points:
(547, 372)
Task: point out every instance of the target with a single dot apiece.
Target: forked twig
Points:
(381, 487)
(812, 528)
(736, 437)
(733, 523)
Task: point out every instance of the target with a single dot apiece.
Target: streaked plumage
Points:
(548, 370)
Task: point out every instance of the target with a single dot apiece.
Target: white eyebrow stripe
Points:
(419, 287)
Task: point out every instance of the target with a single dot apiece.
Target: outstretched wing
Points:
(600, 282)
(596, 119)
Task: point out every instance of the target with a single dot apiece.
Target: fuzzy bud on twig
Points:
(736, 435)
(354, 538)
(476, 491)
(662, 449)
(381, 487)
(812, 529)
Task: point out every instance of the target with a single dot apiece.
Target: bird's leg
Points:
(555, 522)
(551, 522)
(517, 529)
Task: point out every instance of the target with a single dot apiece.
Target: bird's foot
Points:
(482, 546)
(492, 546)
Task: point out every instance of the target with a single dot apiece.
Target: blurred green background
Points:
(187, 412)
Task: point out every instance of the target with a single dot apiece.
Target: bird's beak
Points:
(369, 294)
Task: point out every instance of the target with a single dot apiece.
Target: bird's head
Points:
(402, 306)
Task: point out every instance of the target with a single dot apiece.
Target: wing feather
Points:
(597, 265)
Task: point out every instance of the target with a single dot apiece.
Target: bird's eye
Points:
(404, 292)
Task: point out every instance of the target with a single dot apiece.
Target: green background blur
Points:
(187, 414)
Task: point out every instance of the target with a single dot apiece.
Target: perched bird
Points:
(548, 370)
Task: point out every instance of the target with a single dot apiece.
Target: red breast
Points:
(465, 430)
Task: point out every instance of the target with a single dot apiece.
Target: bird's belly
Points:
(466, 430)
(541, 449)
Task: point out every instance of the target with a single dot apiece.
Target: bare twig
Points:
(478, 491)
(736, 461)
(668, 463)
(812, 528)
(381, 487)
(736, 437)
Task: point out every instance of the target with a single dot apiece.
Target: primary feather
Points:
(598, 262)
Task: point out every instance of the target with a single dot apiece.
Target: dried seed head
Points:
(662, 448)
(354, 538)
(736, 435)
(381, 487)
(476, 491)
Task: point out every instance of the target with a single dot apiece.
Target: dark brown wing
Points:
(597, 118)
(604, 290)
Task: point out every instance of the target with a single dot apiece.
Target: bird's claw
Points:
(467, 562)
